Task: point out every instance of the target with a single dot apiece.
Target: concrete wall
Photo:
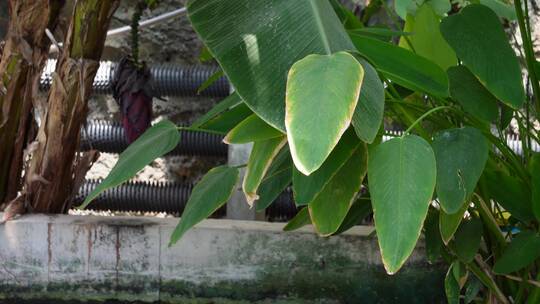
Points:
(127, 258)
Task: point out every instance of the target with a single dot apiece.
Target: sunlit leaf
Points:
(257, 41)
(157, 141)
(214, 190)
(426, 38)
(322, 93)
(402, 174)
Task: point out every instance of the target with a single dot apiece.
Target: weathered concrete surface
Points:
(128, 258)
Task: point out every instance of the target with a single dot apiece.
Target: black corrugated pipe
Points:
(166, 197)
(169, 80)
(108, 137)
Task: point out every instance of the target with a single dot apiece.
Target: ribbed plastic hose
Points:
(166, 197)
(169, 80)
(108, 137)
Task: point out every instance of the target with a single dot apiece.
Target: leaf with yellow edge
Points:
(322, 94)
(261, 158)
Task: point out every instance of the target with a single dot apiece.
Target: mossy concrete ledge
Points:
(220, 261)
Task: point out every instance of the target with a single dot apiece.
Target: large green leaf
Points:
(471, 94)
(257, 41)
(368, 115)
(511, 193)
(534, 168)
(214, 190)
(261, 158)
(307, 187)
(330, 206)
(522, 251)
(461, 156)
(403, 66)
(402, 174)
(251, 129)
(322, 93)
(479, 40)
(157, 141)
(426, 38)
(467, 239)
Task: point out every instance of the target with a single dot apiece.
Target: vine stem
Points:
(424, 116)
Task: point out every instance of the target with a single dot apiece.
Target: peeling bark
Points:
(24, 53)
(50, 177)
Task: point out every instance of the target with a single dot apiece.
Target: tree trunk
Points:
(50, 177)
(22, 60)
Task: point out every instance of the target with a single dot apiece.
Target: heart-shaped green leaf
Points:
(402, 174)
(479, 40)
(471, 94)
(522, 251)
(330, 206)
(257, 41)
(461, 156)
(251, 129)
(322, 93)
(261, 158)
(403, 66)
(214, 190)
(157, 141)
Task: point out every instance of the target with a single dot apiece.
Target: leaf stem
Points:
(529, 52)
(424, 116)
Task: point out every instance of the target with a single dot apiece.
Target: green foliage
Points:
(399, 206)
(479, 40)
(475, 99)
(403, 66)
(214, 190)
(461, 156)
(311, 69)
(522, 251)
(157, 141)
(317, 115)
(330, 206)
(251, 129)
(260, 47)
